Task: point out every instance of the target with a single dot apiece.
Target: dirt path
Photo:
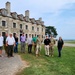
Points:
(10, 66)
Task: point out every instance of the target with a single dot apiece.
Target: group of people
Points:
(35, 42)
(10, 44)
(49, 46)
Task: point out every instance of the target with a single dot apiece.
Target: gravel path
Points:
(68, 44)
(9, 66)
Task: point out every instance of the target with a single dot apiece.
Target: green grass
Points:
(71, 42)
(50, 65)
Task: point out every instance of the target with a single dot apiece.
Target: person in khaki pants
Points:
(38, 46)
(46, 43)
(52, 46)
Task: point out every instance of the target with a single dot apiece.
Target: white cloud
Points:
(52, 12)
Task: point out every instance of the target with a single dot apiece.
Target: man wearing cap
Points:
(10, 42)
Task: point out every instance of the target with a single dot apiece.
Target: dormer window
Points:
(38, 22)
(33, 21)
(4, 12)
(14, 15)
(21, 17)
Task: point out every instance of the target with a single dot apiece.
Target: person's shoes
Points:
(36, 55)
(59, 56)
(45, 55)
(52, 56)
(12, 56)
(48, 55)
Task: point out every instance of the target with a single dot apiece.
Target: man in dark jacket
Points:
(5, 47)
(46, 43)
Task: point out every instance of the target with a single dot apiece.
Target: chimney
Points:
(8, 8)
(27, 13)
(40, 19)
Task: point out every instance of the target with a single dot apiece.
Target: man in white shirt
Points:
(10, 42)
(1, 45)
(29, 41)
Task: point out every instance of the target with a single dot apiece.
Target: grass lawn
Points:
(50, 65)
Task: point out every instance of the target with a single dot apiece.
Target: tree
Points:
(50, 30)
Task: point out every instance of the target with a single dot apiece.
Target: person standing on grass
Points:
(34, 39)
(1, 45)
(47, 43)
(5, 47)
(59, 46)
(38, 46)
(52, 45)
(10, 42)
(29, 41)
(16, 44)
(23, 43)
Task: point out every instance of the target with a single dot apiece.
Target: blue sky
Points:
(57, 13)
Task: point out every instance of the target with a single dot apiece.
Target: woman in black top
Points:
(59, 46)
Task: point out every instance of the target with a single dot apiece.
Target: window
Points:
(3, 34)
(32, 28)
(26, 27)
(37, 29)
(20, 26)
(4, 23)
(4, 12)
(14, 25)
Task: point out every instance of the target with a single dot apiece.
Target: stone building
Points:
(11, 22)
